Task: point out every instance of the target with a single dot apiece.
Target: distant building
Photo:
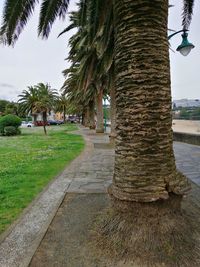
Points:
(186, 103)
(50, 116)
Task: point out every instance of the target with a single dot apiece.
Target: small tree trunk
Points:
(91, 115)
(99, 106)
(44, 117)
(83, 118)
(64, 114)
(113, 114)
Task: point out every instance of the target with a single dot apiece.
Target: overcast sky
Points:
(33, 60)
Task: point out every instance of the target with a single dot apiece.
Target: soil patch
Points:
(87, 226)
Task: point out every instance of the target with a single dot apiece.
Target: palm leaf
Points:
(15, 16)
(188, 6)
(50, 10)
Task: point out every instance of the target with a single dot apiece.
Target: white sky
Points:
(33, 60)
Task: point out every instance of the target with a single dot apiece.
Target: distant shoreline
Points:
(186, 126)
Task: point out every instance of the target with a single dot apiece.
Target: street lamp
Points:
(185, 47)
(105, 117)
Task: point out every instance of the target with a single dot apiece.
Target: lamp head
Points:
(185, 47)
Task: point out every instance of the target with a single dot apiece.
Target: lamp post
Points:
(104, 105)
(185, 47)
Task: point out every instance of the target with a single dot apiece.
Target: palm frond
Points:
(15, 17)
(188, 6)
(50, 10)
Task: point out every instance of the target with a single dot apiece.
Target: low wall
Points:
(189, 138)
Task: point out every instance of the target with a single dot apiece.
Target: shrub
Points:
(11, 130)
(9, 120)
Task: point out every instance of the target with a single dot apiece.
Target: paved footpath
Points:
(90, 173)
(188, 160)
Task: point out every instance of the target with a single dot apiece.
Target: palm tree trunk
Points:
(64, 114)
(44, 117)
(99, 107)
(91, 115)
(113, 114)
(145, 167)
(86, 117)
(83, 118)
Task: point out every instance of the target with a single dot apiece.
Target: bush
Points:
(7, 121)
(11, 130)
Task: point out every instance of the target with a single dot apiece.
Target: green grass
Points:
(28, 162)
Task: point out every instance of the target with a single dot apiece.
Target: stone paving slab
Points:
(188, 160)
(66, 239)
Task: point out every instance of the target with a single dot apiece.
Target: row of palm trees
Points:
(91, 74)
(42, 99)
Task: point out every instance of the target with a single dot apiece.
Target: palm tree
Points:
(145, 167)
(45, 102)
(27, 101)
(144, 162)
(79, 101)
(61, 105)
(92, 52)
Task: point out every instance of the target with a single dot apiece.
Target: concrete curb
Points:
(189, 138)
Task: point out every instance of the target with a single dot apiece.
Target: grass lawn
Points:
(28, 162)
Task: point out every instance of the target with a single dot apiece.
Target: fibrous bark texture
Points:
(86, 117)
(91, 115)
(44, 117)
(113, 114)
(144, 160)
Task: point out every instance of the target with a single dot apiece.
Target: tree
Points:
(38, 99)
(92, 52)
(12, 108)
(27, 101)
(61, 105)
(45, 102)
(145, 167)
(3, 104)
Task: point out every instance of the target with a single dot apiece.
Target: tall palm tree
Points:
(45, 102)
(144, 161)
(92, 49)
(61, 105)
(145, 167)
(80, 102)
(27, 101)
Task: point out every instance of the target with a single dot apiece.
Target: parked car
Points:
(41, 123)
(28, 124)
(52, 122)
(55, 122)
(60, 122)
(72, 119)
